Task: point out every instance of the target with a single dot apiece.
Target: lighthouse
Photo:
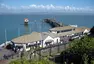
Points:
(26, 25)
(26, 21)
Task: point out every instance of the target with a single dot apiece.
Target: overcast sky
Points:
(28, 6)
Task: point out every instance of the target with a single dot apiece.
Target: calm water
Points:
(14, 23)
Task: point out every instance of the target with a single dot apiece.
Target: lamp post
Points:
(18, 31)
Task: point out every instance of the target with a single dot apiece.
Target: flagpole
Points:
(18, 31)
(5, 36)
(41, 39)
(41, 33)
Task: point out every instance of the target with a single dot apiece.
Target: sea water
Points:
(13, 24)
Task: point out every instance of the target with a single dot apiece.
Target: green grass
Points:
(33, 61)
(92, 62)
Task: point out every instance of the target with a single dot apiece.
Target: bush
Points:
(20, 61)
(15, 62)
(82, 49)
(24, 61)
(42, 61)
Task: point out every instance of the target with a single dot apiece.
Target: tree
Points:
(92, 30)
(80, 48)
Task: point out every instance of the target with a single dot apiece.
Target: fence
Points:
(51, 50)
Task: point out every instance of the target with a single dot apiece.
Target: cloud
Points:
(43, 8)
(6, 7)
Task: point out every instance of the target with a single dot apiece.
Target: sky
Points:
(29, 6)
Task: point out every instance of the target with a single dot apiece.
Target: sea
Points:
(12, 25)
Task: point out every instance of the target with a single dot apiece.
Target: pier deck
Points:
(53, 23)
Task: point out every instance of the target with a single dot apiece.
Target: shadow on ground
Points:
(69, 59)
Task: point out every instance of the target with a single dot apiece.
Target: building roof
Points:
(44, 35)
(33, 37)
(77, 30)
(66, 33)
(62, 28)
(50, 34)
(81, 29)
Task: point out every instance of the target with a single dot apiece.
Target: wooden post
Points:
(42, 43)
(24, 47)
(36, 44)
(58, 48)
(64, 46)
(50, 51)
(39, 54)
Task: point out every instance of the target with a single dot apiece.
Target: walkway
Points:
(7, 55)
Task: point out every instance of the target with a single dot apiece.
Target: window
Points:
(66, 30)
(57, 40)
(58, 31)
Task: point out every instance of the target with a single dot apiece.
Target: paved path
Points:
(15, 56)
(6, 56)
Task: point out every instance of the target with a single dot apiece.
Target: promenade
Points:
(7, 55)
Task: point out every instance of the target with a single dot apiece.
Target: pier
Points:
(53, 23)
